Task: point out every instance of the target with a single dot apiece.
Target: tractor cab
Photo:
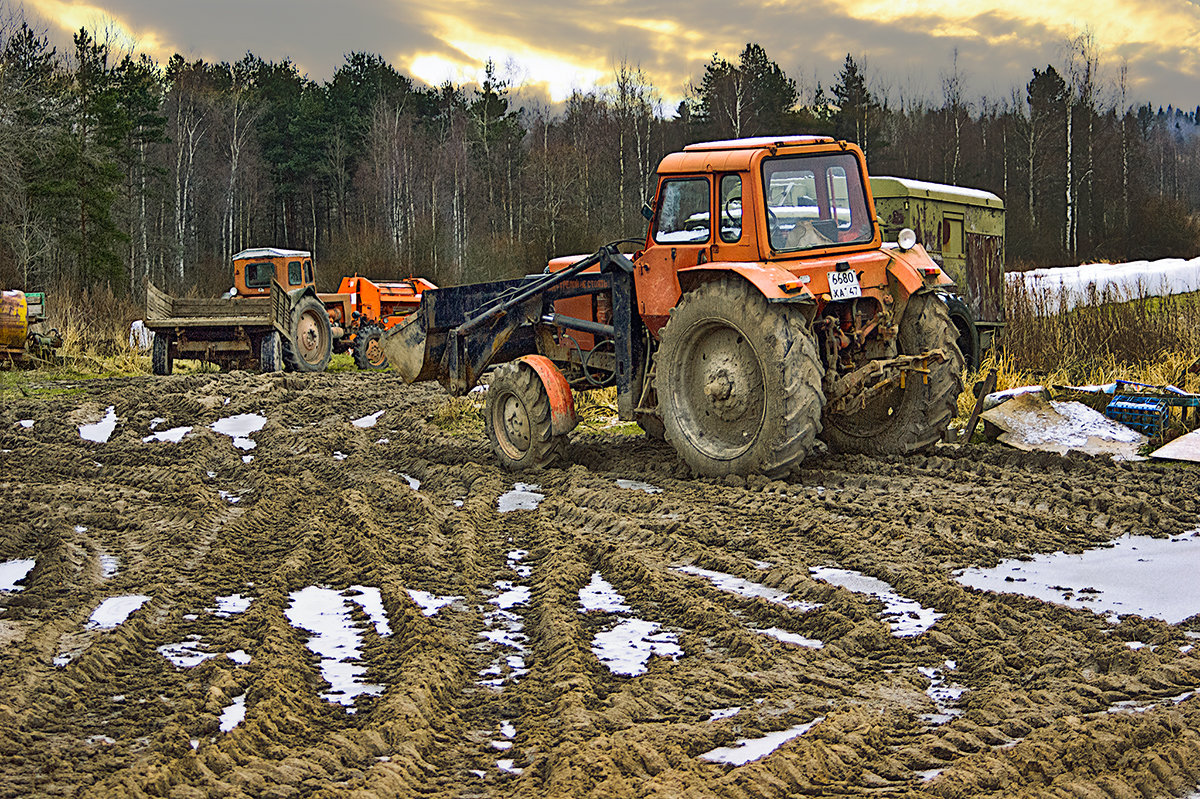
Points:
(254, 269)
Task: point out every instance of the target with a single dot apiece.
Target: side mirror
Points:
(648, 211)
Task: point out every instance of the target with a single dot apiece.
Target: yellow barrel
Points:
(14, 321)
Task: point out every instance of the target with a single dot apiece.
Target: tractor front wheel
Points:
(517, 417)
(368, 350)
(738, 381)
(310, 345)
(915, 417)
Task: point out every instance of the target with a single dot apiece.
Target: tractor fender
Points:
(773, 282)
(562, 401)
(911, 269)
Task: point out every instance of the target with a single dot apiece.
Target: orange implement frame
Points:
(384, 303)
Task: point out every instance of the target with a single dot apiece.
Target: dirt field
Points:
(488, 684)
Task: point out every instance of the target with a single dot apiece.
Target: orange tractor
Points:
(761, 312)
(274, 318)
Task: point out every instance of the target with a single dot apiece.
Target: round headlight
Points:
(907, 239)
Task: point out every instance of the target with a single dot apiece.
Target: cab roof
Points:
(730, 155)
(756, 142)
(271, 252)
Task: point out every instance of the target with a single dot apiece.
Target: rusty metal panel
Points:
(984, 284)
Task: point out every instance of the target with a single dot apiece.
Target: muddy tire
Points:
(916, 417)
(161, 362)
(516, 415)
(967, 333)
(368, 349)
(310, 345)
(739, 382)
(270, 352)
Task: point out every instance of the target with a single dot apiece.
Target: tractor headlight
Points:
(907, 239)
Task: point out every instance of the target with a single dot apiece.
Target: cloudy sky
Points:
(556, 45)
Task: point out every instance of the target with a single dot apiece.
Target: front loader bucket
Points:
(406, 346)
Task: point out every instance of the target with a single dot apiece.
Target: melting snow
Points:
(507, 765)
(325, 612)
(906, 617)
(747, 750)
(109, 566)
(371, 601)
(626, 648)
(26, 423)
(12, 572)
(368, 421)
(101, 430)
(792, 638)
(229, 495)
(186, 654)
(339, 456)
(240, 427)
(724, 713)
(511, 596)
(943, 695)
(431, 603)
(239, 656)
(1134, 706)
(736, 585)
(231, 604)
(522, 497)
(1152, 577)
(234, 714)
(600, 595)
(173, 436)
(113, 611)
(637, 485)
(413, 482)
(507, 729)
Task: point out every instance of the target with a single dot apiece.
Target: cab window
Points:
(683, 212)
(294, 275)
(815, 201)
(731, 208)
(258, 276)
(308, 272)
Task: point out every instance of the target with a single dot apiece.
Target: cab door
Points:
(680, 234)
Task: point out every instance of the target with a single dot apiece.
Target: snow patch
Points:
(626, 649)
(26, 423)
(12, 572)
(413, 482)
(367, 421)
(736, 585)
(100, 431)
(113, 611)
(240, 427)
(906, 617)
(600, 595)
(792, 638)
(233, 715)
(231, 604)
(747, 750)
(724, 713)
(523, 496)
(429, 603)
(637, 485)
(325, 613)
(172, 436)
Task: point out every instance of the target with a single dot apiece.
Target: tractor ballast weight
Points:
(762, 313)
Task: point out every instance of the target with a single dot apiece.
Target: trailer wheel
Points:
(310, 345)
(517, 417)
(738, 381)
(368, 348)
(914, 418)
(161, 361)
(968, 333)
(270, 352)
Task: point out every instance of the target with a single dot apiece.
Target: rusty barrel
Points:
(14, 321)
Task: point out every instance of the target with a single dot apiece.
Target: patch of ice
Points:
(511, 595)
(906, 617)
(12, 572)
(507, 729)
(195, 742)
(109, 566)
(502, 745)
(943, 695)
(1135, 706)
(113, 611)
(100, 431)
(61, 660)
(234, 714)
(736, 585)
(368, 421)
(761, 565)
(79, 528)
(747, 750)
(638, 485)
(413, 482)
(792, 638)
(190, 616)
(186, 654)
(929, 774)
(507, 765)
(478, 773)
(240, 427)
(247, 458)
(156, 421)
(239, 656)
(724, 713)
(626, 648)
(458, 503)
(26, 423)
(600, 595)
(371, 601)
(325, 613)
(172, 436)
(232, 604)
(523, 496)
(430, 603)
(514, 562)
(1152, 577)
(229, 495)
(339, 456)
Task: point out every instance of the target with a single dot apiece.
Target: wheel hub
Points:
(515, 421)
(722, 388)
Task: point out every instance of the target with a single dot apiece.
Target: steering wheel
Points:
(773, 230)
(727, 208)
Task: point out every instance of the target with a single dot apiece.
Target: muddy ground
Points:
(506, 673)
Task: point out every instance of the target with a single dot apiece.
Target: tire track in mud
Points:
(326, 503)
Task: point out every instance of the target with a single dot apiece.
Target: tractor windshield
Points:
(815, 201)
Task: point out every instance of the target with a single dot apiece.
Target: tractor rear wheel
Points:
(310, 345)
(968, 334)
(368, 349)
(913, 418)
(161, 361)
(738, 381)
(517, 417)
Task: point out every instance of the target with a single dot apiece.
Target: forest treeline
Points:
(115, 168)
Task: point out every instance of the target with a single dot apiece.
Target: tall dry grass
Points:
(94, 324)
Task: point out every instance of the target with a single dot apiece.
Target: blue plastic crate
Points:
(1147, 415)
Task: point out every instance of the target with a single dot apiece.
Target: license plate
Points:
(844, 285)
